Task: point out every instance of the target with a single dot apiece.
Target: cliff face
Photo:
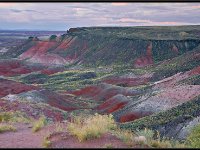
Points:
(146, 59)
(104, 46)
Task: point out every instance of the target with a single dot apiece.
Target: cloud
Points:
(119, 4)
(19, 11)
(130, 20)
(16, 18)
(65, 15)
(7, 5)
(196, 7)
(29, 10)
(15, 10)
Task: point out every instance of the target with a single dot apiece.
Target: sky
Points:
(62, 16)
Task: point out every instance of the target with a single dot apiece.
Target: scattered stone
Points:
(140, 139)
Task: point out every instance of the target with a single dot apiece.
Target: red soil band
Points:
(39, 53)
(16, 67)
(49, 71)
(132, 116)
(129, 117)
(116, 107)
(89, 91)
(175, 49)
(146, 59)
(41, 47)
(143, 61)
(106, 104)
(66, 108)
(106, 94)
(31, 110)
(195, 71)
(126, 81)
(12, 87)
(65, 44)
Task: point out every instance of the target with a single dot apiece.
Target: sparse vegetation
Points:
(166, 144)
(153, 140)
(5, 116)
(108, 146)
(5, 128)
(94, 126)
(58, 127)
(90, 127)
(125, 135)
(15, 116)
(46, 143)
(193, 80)
(194, 137)
(177, 114)
(38, 124)
(147, 133)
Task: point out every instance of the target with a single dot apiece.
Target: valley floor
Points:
(23, 137)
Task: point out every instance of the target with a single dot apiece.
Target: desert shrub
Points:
(154, 140)
(16, 116)
(5, 116)
(194, 137)
(38, 124)
(53, 37)
(146, 133)
(90, 127)
(58, 127)
(166, 143)
(46, 143)
(4, 128)
(108, 146)
(125, 135)
(182, 34)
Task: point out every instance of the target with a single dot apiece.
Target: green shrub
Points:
(193, 138)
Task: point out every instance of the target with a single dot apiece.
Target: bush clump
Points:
(15, 116)
(153, 140)
(4, 128)
(38, 124)
(90, 127)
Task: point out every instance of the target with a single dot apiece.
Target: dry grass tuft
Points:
(125, 135)
(5, 128)
(38, 124)
(90, 127)
(14, 116)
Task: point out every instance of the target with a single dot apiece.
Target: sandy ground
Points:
(25, 138)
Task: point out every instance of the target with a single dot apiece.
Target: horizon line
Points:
(60, 30)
